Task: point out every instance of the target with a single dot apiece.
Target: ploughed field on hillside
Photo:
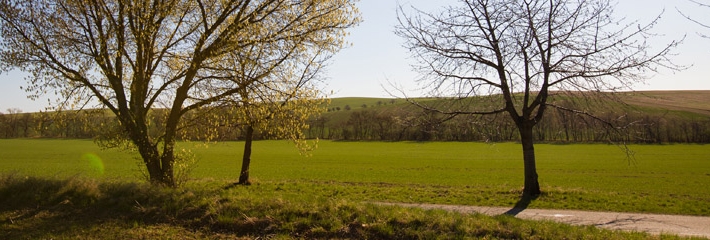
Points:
(643, 117)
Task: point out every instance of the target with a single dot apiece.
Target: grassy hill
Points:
(647, 116)
(695, 101)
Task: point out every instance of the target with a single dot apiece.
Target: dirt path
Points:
(651, 223)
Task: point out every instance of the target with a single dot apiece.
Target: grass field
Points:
(70, 189)
(669, 179)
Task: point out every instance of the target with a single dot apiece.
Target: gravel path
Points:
(651, 223)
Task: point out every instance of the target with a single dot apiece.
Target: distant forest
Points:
(363, 119)
(557, 126)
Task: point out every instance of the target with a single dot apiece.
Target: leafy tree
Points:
(279, 115)
(277, 94)
(289, 120)
(513, 57)
(134, 56)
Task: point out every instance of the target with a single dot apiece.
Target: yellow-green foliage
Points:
(179, 55)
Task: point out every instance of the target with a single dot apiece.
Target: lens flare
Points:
(95, 162)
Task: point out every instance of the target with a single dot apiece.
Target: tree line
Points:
(219, 124)
(559, 126)
(16, 124)
(390, 123)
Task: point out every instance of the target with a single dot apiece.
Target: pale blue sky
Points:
(377, 58)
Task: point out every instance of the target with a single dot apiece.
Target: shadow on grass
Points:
(235, 185)
(37, 208)
(521, 205)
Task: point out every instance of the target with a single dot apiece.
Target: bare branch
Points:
(702, 24)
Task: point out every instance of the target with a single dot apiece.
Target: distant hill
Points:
(646, 117)
(696, 101)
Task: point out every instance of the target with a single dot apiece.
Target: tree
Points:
(277, 93)
(3, 125)
(705, 25)
(284, 119)
(362, 123)
(13, 122)
(26, 123)
(513, 57)
(134, 56)
(277, 114)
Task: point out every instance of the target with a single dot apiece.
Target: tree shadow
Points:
(521, 205)
(236, 184)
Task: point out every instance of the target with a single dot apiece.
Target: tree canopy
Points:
(134, 56)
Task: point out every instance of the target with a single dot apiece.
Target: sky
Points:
(375, 61)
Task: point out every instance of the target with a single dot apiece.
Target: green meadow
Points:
(71, 189)
(669, 179)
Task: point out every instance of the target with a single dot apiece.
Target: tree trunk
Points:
(532, 186)
(160, 168)
(246, 158)
(151, 158)
(167, 159)
(167, 162)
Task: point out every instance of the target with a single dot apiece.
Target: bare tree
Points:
(511, 57)
(134, 56)
(705, 25)
(3, 125)
(13, 122)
